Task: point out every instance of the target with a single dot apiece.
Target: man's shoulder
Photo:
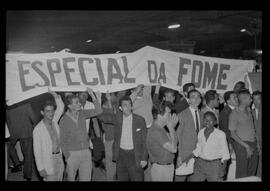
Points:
(185, 111)
(220, 132)
(39, 127)
(137, 117)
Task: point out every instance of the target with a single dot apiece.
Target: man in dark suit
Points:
(129, 148)
(190, 121)
(183, 103)
(231, 100)
(257, 116)
(21, 121)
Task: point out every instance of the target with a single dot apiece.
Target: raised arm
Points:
(155, 97)
(134, 94)
(92, 112)
(59, 106)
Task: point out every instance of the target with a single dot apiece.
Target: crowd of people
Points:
(145, 134)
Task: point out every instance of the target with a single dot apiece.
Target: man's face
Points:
(162, 119)
(208, 121)
(215, 101)
(113, 98)
(83, 97)
(126, 107)
(48, 112)
(245, 99)
(233, 101)
(169, 96)
(191, 88)
(195, 99)
(257, 101)
(76, 105)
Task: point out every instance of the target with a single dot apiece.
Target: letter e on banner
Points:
(22, 73)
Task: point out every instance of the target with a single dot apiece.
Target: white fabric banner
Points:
(29, 75)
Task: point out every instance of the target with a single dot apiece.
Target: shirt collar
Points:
(192, 109)
(210, 108)
(232, 107)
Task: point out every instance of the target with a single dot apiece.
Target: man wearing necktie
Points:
(189, 126)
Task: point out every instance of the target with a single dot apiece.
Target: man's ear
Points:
(120, 108)
(42, 112)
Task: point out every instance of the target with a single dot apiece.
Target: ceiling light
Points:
(89, 41)
(243, 30)
(174, 26)
(118, 51)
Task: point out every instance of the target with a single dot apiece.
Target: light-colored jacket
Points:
(42, 142)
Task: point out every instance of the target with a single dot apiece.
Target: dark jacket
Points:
(139, 133)
(224, 121)
(179, 106)
(21, 121)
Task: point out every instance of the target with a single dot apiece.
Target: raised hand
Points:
(172, 121)
(53, 93)
(91, 93)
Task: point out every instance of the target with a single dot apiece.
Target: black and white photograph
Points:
(133, 95)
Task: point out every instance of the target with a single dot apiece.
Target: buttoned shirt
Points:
(194, 116)
(54, 137)
(215, 147)
(126, 141)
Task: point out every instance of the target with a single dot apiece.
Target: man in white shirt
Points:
(211, 152)
(130, 151)
(46, 139)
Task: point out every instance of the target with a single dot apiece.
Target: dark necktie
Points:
(197, 122)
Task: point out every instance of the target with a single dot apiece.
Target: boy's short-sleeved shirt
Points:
(156, 137)
(242, 124)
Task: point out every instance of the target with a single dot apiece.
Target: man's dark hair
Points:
(161, 109)
(243, 91)
(210, 95)
(167, 90)
(191, 91)
(242, 86)
(257, 93)
(227, 95)
(69, 99)
(47, 103)
(186, 86)
(125, 98)
(211, 114)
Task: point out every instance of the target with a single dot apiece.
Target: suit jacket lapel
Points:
(133, 130)
(120, 117)
(191, 117)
